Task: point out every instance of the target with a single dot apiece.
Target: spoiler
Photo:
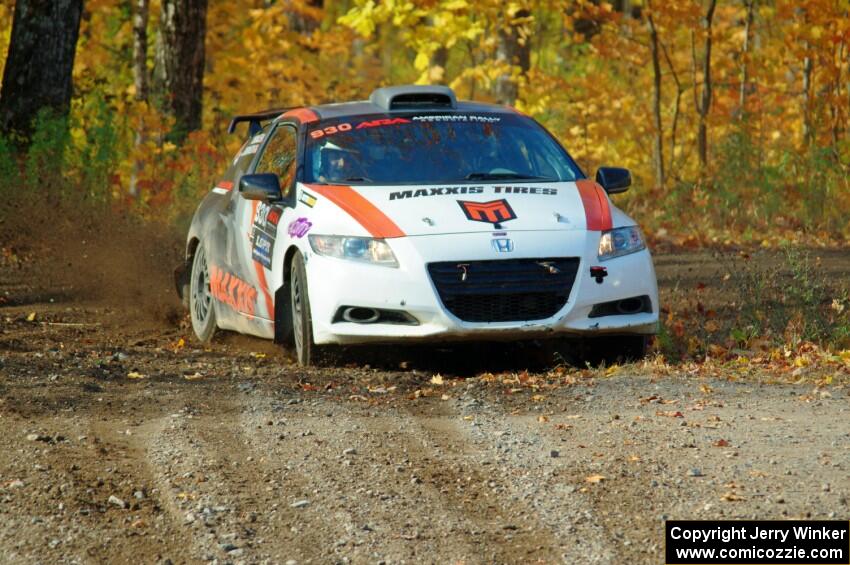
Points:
(255, 121)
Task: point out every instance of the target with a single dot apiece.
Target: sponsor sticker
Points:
(261, 249)
(458, 118)
(264, 233)
(307, 199)
(494, 212)
(458, 190)
(250, 149)
(233, 291)
(299, 228)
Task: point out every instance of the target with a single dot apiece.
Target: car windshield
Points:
(434, 149)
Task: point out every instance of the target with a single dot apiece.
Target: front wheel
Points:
(302, 322)
(200, 297)
(617, 349)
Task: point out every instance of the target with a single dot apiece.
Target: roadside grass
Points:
(780, 314)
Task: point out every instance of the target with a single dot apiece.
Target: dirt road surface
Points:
(120, 443)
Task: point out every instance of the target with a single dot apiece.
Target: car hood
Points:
(395, 211)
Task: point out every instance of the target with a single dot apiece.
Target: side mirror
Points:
(614, 179)
(264, 186)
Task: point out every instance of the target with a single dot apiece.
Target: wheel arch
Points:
(283, 322)
(184, 270)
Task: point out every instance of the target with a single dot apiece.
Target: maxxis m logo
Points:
(494, 212)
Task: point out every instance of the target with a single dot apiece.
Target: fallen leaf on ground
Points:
(542, 419)
(595, 479)
(670, 413)
(732, 497)
(437, 380)
(721, 443)
(31, 317)
(135, 375)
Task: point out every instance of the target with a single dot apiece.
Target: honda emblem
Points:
(503, 245)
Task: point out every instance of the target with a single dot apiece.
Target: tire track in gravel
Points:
(216, 480)
(528, 477)
(402, 492)
(79, 463)
(367, 493)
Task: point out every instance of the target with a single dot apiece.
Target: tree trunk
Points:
(39, 63)
(704, 103)
(676, 109)
(658, 145)
(140, 80)
(745, 54)
(807, 101)
(516, 51)
(304, 16)
(140, 49)
(180, 63)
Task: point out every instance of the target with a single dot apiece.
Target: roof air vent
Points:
(414, 97)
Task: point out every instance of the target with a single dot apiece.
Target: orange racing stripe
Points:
(358, 207)
(304, 115)
(261, 274)
(597, 209)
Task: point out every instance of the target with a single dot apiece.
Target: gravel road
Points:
(121, 443)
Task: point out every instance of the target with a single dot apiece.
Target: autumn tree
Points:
(658, 134)
(702, 98)
(514, 51)
(40, 61)
(180, 63)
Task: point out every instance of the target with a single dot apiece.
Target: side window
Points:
(279, 157)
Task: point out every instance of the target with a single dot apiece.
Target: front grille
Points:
(509, 290)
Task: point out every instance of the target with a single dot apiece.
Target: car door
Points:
(258, 244)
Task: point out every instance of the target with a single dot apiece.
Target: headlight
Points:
(621, 241)
(364, 249)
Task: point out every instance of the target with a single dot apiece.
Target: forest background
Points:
(732, 114)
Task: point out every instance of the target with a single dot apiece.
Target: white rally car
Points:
(414, 217)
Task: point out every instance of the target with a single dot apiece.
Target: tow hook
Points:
(599, 273)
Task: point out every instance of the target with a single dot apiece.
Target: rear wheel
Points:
(302, 322)
(200, 297)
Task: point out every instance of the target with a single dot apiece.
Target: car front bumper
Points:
(335, 283)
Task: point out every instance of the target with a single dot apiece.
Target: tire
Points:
(306, 351)
(617, 349)
(201, 306)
